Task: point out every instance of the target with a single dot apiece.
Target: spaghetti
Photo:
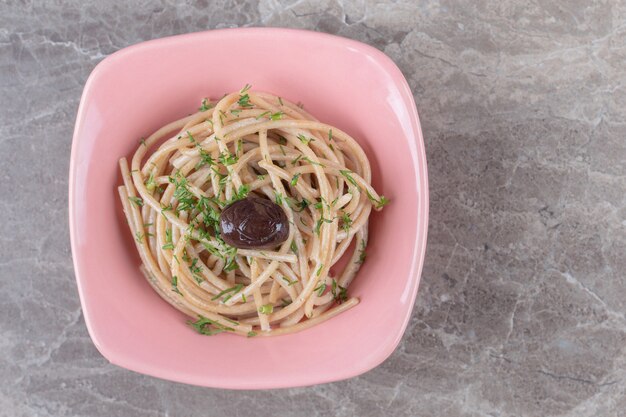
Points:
(250, 144)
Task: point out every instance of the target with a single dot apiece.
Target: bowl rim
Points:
(418, 156)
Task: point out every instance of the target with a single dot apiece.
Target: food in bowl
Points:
(240, 210)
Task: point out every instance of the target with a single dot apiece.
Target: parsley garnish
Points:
(294, 247)
(279, 198)
(306, 158)
(277, 116)
(294, 179)
(340, 294)
(242, 193)
(347, 221)
(150, 182)
(288, 281)
(143, 141)
(227, 159)
(320, 289)
(251, 334)
(229, 292)
(208, 327)
(205, 105)
(266, 309)
(362, 253)
(305, 140)
(378, 203)
(302, 204)
(330, 135)
(136, 201)
(181, 193)
(348, 176)
(296, 159)
(205, 158)
(319, 270)
(168, 240)
(285, 303)
(260, 177)
(262, 115)
(175, 285)
(318, 224)
(196, 270)
(235, 112)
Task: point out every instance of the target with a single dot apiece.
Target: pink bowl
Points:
(346, 83)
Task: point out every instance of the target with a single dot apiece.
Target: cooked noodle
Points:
(250, 143)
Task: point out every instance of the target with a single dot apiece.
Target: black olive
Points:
(254, 223)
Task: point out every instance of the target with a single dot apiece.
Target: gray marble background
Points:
(522, 301)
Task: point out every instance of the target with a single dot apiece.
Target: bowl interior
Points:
(342, 82)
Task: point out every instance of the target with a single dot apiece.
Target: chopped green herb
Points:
(243, 298)
(251, 334)
(288, 281)
(285, 303)
(279, 198)
(227, 159)
(182, 194)
(294, 179)
(347, 221)
(320, 289)
(262, 115)
(277, 116)
(340, 294)
(294, 247)
(318, 224)
(245, 88)
(229, 292)
(168, 240)
(282, 150)
(306, 158)
(266, 309)
(205, 158)
(136, 201)
(143, 141)
(260, 177)
(235, 112)
(349, 177)
(208, 327)
(302, 205)
(330, 135)
(205, 105)
(319, 270)
(191, 139)
(297, 158)
(236, 323)
(362, 253)
(305, 140)
(150, 182)
(378, 203)
(280, 100)
(243, 192)
(175, 285)
(196, 271)
(282, 140)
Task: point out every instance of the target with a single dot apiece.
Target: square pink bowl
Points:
(342, 82)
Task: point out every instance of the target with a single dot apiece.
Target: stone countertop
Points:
(522, 301)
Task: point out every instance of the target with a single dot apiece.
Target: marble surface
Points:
(521, 310)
